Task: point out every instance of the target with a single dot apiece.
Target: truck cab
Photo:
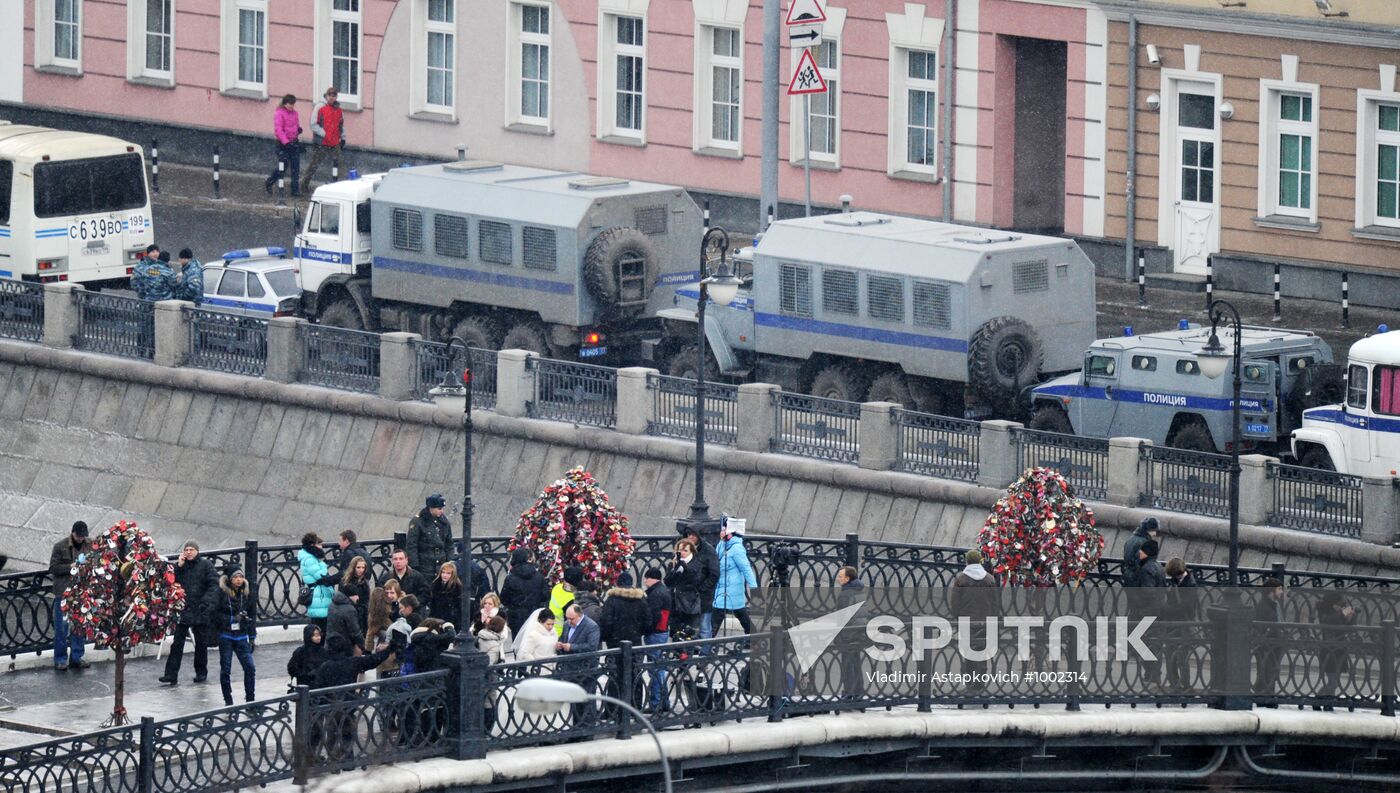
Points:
(1361, 433)
(333, 244)
(1151, 386)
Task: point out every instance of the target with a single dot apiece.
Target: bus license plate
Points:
(96, 248)
(593, 352)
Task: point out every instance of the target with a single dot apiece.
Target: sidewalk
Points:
(193, 186)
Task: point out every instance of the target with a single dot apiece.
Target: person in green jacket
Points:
(563, 594)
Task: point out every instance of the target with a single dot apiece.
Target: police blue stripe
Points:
(6, 274)
(51, 233)
(744, 303)
(1338, 416)
(857, 332)
(227, 303)
(317, 255)
(463, 274)
(1151, 398)
(4, 232)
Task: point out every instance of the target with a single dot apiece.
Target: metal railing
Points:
(938, 446)
(340, 358)
(1083, 462)
(115, 325)
(21, 310)
(813, 426)
(1312, 500)
(673, 404)
(1186, 481)
(578, 393)
(390, 720)
(227, 342)
(431, 362)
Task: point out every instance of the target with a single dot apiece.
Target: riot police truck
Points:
(1151, 386)
(504, 256)
(864, 306)
(1360, 433)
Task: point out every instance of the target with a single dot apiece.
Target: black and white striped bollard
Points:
(335, 172)
(1346, 302)
(705, 217)
(281, 182)
(770, 217)
(155, 165)
(217, 195)
(1142, 277)
(1210, 282)
(1278, 303)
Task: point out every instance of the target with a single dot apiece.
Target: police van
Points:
(1360, 434)
(73, 206)
(1151, 386)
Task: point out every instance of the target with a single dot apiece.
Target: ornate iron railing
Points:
(1186, 481)
(387, 721)
(232, 748)
(1312, 500)
(934, 445)
(812, 426)
(340, 358)
(673, 405)
(1083, 462)
(431, 362)
(578, 393)
(21, 310)
(107, 760)
(227, 342)
(115, 325)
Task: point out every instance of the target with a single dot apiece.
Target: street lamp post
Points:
(721, 287)
(1213, 359)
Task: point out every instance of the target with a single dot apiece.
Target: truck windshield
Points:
(1101, 366)
(85, 187)
(1356, 387)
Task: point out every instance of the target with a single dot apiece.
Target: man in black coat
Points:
(430, 537)
(709, 579)
(343, 621)
(1147, 530)
(350, 547)
(626, 616)
(341, 668)
(659, 604)
(410, 581)
(200, 581)
(524, 590)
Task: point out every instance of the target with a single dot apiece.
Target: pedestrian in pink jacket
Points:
(286, 125)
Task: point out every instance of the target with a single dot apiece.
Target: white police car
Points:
(258, 282)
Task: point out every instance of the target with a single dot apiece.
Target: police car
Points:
(258, 282)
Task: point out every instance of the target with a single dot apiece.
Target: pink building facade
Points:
(666, 90)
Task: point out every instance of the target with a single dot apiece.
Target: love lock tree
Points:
(574, 523)
(123, 594)
(1039, 534)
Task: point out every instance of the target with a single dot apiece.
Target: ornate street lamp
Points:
(720, 286)
(451, 394)
(1214, 358)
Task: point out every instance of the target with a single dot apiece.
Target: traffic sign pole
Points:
(807, 160)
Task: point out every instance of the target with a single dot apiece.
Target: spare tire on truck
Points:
(620, 267)
(1003, 358)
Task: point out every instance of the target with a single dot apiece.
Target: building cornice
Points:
(1329, 31)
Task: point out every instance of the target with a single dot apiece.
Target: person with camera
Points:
(683, 577)
(237, 622)
(709, 577)
(735, 576)
(201, 584)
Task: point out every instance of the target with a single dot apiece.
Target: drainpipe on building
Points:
(950, 24)
(768, 193)
(1130, 191)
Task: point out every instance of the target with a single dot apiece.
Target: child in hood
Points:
(308, 657)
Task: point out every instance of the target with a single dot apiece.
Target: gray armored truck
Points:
(864, 306)
(1151, 386)
(502, 255)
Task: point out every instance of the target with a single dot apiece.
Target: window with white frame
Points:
(630, 62)
(252, 43)
(160, 36)
(58, 35)
(531, 66)
(1289, 151)
(723, 84)
(919, 119)
(441, 33)
(826, 120)
(1387, 156)
(345, 48)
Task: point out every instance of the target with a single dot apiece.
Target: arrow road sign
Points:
(808, 78)
(805, 12)
(805, 35)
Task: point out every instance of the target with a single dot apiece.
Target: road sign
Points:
(805, 12)
(808, 78)
(805, 35)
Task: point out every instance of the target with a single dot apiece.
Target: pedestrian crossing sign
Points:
(808, 78)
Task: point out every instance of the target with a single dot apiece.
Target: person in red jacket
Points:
(286, 125)
(328, 124)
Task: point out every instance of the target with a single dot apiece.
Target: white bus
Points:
(73, 206)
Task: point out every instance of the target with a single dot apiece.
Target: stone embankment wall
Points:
(223, 458)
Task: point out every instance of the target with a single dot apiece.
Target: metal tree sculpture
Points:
(123, 594)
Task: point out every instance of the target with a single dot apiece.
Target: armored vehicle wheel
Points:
(343, 314)
(683, 365)
(1317, 457)
(527, 336)
(1049, 418)
(483, 333)
(839, 381)
(1193, 437)
(620, 267)
(892, 387)
(1003, 358)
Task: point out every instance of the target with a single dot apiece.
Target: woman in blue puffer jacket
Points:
(735, 576)
(315, 573)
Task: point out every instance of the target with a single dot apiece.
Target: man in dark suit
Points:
(581, 635)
